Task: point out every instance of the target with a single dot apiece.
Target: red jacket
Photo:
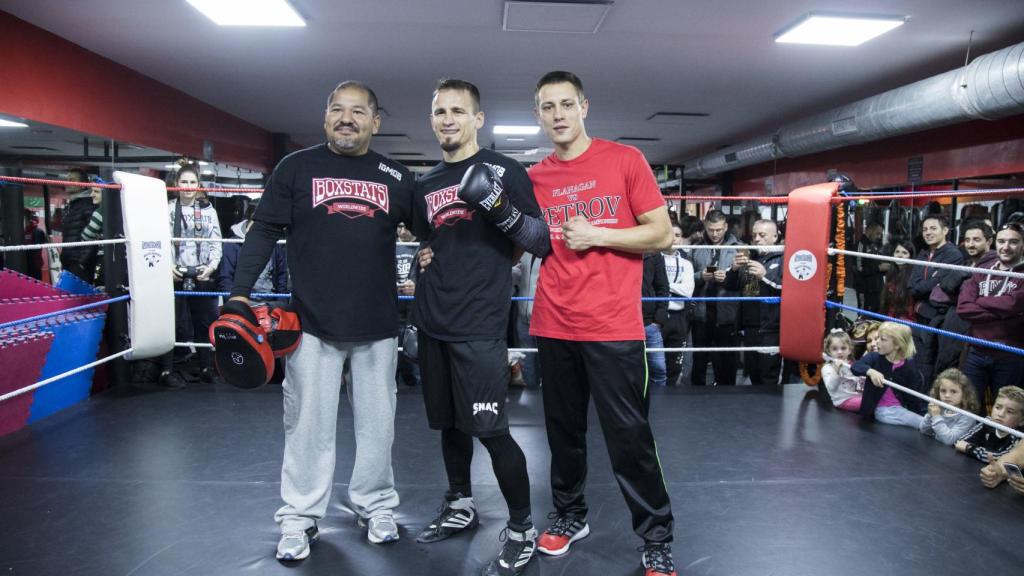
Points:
(994, 306)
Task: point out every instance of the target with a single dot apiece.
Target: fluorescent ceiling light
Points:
(249, 12)
(12, 124)
(837, 29)
(515, 139)
(517, 130)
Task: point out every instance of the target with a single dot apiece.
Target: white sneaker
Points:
(295, 545)
(380, 529)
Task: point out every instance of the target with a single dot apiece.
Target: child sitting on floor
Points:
(894, 362)
(981, 441)
(948, 426)
(843, 387)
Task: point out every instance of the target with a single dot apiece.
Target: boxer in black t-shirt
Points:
(338, 204)
(462, 311)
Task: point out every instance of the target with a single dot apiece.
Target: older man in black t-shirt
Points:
(462, 305)
(338, 204)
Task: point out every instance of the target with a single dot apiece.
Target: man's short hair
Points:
(874, 224)
(981, 225)
(691, 226)
(456, 84)
(943, 222)
(715, 216)
(370, 94)
(766, 221)
(558, 77)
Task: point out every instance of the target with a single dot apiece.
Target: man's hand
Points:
(407, 288)
(876, 378)
(707, 276)
(205, 272)
(740, 261)
(756, 269)
(719, 275)
(580, 235)
(961, 446)
(177, 275)
(426, 255)
(993, 474)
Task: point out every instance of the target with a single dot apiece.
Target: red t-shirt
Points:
(595, 294)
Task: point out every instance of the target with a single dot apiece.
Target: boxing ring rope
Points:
(71, 372)
(939, 331)
(26, 247)
(63, 312)
(940, 265)
(971, 415)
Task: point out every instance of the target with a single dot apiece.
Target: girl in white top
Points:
(843, 387)
(952, 387)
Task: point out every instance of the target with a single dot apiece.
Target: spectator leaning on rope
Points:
(923, 280)
(994, 306)
(976, 243)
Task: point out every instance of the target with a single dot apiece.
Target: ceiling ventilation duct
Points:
(990, 87)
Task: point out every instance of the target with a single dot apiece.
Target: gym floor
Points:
(151, 482)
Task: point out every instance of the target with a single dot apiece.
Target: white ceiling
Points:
(648, 56)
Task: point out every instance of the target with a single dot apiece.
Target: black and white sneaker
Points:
(453, 517)
(515, 554)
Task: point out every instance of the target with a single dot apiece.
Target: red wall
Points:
(971, 149)
(51, 80)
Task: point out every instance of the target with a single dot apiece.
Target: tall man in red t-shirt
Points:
(604, 210)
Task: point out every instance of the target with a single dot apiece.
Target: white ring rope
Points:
(71, 372)
(21, 247)
(764, 248)
(971, 269)
(762, 349)
(970, 415)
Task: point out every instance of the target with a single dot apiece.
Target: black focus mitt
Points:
(242, 352)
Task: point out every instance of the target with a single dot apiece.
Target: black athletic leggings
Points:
(509, 464)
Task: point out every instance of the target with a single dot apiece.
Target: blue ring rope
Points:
(62, 312)
(939, 331)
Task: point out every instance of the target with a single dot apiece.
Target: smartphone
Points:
(711, 269)
(1013, 470)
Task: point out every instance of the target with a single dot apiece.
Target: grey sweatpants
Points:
(311, 393)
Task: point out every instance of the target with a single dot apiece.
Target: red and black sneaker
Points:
(657, 560)
(565, 530)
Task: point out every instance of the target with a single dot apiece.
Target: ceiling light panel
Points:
(514, 130)
(837, 29)
(249, 12)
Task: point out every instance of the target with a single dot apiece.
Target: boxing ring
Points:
(146, 481)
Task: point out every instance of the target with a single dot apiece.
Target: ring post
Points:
(805, 273)
(148, 249)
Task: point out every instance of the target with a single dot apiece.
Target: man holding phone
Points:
(714, 322)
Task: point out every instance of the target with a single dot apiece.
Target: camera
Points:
(188, 277)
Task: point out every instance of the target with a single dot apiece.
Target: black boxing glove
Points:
(482, 189)
(242, 352)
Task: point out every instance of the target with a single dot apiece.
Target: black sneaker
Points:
(450, 521)
(657, 560)
(210, 376)
(515, 554)
(565, 530)
(172, 380)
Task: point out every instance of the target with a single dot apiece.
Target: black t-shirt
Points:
(340, 213)
(465, 293)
